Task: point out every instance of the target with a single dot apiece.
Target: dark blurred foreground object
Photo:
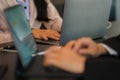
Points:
(3, 68)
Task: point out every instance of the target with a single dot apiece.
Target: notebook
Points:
(30, 60)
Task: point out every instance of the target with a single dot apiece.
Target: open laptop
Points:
(85, 18)
(30, 59)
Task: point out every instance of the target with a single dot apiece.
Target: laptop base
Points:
(48, 42)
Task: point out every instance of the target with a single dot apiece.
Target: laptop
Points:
(78, 15)
(29, 58)
(48, 42)
(85, 18)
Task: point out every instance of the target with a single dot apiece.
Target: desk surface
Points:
(10, 58)
(114, 30)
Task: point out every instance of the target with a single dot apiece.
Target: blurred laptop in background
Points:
(85, 18)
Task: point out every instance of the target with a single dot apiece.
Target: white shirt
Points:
(26, 6)
(110, 50)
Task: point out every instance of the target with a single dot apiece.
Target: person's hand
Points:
(65, 58)
(86, 46)
(45, 34)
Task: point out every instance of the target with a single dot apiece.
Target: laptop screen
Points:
(21, 33)
(85, 18)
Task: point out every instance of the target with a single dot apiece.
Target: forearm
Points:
(114, 43)
(57, 24)
(54, 24)
(110, 50)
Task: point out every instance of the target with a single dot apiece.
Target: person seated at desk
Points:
(104, 63)
(38, 12)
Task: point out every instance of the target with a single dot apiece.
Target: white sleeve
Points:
(110, 50)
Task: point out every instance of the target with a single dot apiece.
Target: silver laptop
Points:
(85, 18)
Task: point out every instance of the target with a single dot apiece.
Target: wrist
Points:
(101, 49)
(82, 65)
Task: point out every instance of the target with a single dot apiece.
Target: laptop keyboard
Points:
(48, 42)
